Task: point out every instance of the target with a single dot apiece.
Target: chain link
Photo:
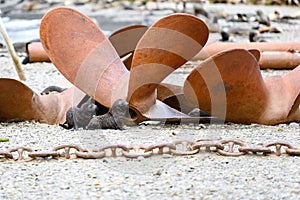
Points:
(224, 147)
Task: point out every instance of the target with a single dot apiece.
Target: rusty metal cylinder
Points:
(36, 52)
(276, 55)
(216, 47)
(279, 60)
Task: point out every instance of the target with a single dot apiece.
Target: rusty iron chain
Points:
(224, 147)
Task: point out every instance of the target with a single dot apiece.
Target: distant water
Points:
(21, 30)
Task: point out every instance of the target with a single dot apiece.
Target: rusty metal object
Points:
(123, 40)
(161, 148)
(20, 150)
(173, 96)
(113, 150)
(274, 55)
(6, 154)
(231, 151)
(107, 79)
(165, 46)
(93, 64)
(216, 47)
(126, 39)
(18, 102)
(43, 154)
(233, 89)
(279, 60)
(89, 154)
(278, 145)
(184, 148)
(255, 150)
(235, 147)
(36, 53)
(67, 149)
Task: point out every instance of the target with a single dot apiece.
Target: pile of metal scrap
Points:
(227, 85)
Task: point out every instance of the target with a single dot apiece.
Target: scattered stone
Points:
(294, 124)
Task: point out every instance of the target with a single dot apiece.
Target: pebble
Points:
(294, 125)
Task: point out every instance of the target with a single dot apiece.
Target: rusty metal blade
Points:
(283, 100)
(162, 112)
(83, 54)
(173, 96)
(165, 46)
(125, 39)
(18, 103)
(228, 85)
(291, 82)
(15, 101)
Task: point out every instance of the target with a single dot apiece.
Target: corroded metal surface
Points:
(18, 102)
(235, 88)
(216, 47)
(224, 147)
(227, 85)
(165, 46)
(93, 64)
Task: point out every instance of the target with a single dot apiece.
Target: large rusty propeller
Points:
(86, 58)
(19, 102)
(232, 88)
(223, 85)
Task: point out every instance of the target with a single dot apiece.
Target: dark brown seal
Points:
(80, 117)
(113, 119)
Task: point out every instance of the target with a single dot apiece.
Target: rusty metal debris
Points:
(152, 61)
(35, 53)
(274, 55)
(223, 147)
(18, 103)
(247, 96)
(223, 85)
(25, 108)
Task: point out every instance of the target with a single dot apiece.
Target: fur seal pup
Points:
(113, 119)
(79, 117)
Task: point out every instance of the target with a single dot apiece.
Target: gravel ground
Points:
(201, 176)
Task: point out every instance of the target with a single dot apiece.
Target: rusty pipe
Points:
(35, 53)
(124, 41)
(217, 47)
(279, 60)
